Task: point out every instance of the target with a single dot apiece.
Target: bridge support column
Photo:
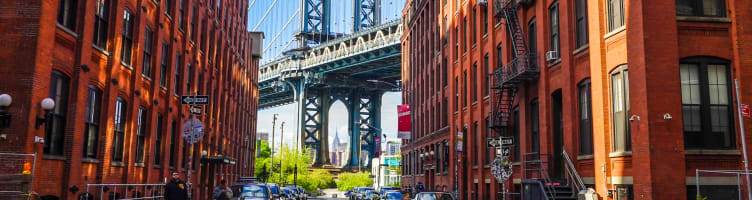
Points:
(365, 123)
(315, 120)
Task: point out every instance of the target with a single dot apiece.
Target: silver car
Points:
(433, 196)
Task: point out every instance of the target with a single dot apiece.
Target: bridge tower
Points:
(366, 13)
(315, 21)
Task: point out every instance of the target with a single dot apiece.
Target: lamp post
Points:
(412, 135)
(271, 154)
(5, 117)
(298, 54)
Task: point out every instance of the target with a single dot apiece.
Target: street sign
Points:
(493, 143)
(505, 151)
(459, 142)
(506, 140)
(195, 100)
(745, 110)
(193, 130)
(195, 110)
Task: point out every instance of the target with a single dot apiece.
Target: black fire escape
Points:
(507, 77)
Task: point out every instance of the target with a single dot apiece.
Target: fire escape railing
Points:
(521, 68)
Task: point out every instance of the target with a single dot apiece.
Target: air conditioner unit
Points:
(552, 55)
(482, 2)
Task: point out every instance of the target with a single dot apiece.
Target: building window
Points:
(100, 23)
(532, 34)
(464, 88)
(181, 15)
(91, 134)
(499, 56)
(516, 131)
(622, 138)
(534, 127)
(486, 76)
(474, 21)
(615, 14)
(624, 192)
(707, 104)
(194, 18)
(118, 141)
(66, 14)
(158, 140)
(141, 134)
(457, 44)
(475, 143)
(464, 35)
(127, 46)
(586, 122)
(147, 53)
(553, 13)
(703, 8)
(490, 152)
(188, 77)
(475, 82)
(176, 83)
(168, 7)
(55, 129)
(173, 142)
(456, 93)
(729, 192)
(446, 156)
(484, 19)
(163, 65)
(580, 9)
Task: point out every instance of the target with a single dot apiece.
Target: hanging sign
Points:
(403, 121)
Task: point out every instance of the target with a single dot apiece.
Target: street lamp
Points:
(47, 105)
(5, 116)
(412, 136)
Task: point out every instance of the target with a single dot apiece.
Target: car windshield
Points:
(434, 196)
(254, 191)
(393, 195)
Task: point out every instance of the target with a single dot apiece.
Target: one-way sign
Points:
(195, 100)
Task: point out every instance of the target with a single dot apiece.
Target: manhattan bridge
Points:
(319, 65)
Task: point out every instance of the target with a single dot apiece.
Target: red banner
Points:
(403, 121)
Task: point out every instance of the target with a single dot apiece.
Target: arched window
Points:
(621, 135)
(706, 103)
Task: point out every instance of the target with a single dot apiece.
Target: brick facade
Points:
(441, 51)
(213, 46)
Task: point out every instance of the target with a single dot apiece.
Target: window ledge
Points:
(146, 77)
(475, 167)
(163, 88)
(66, 30)
(620, 154)
(168, 16)
(733, 152)
(486, 166)
(585, 157)
(485, 35)
(555, 62)
(117, 164)
(126, 65)
(90, 160)
(53, 157)
(615, 31)
(157, 167)
(516, 163)
(101, 50)
(581, 49)
(475, 103)
(486, 97)
(139, 164)
(703, 19)
(171, 167)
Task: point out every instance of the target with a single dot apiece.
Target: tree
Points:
(348, 181)
(285, 174)
(263, 161)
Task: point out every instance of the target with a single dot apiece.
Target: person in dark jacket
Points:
(222, 192)
(176, 188)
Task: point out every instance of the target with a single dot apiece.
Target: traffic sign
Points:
(493, 143)
(195, 100)
(193, 130)
(195, 110)
(505, 151)
(459, 142)
(506, 140)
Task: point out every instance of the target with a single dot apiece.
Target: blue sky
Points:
(341, 15)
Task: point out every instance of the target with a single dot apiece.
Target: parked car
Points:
(371, 195)
(303, 193)
(361, 195)
(433, 196)
(383, 190)
(252, 191)
(392, 195)
(352, 194)
(286, 194)
(276, 193)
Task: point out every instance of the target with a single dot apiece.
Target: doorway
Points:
(557, 118)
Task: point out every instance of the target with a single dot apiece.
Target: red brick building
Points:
(116, 70)
(640, 94)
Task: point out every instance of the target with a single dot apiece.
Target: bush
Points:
(348, 181)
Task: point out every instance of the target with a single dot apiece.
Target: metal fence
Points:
(123, 191)
(17, 175)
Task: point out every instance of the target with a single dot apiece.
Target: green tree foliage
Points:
(282, 174)
(347, 181)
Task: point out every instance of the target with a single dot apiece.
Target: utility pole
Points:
(271, 155)
(281, 146)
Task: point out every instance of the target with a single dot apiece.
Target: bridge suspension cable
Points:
(265, 14)
(282, 30)
(251, 6)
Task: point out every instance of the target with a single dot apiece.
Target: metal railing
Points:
(124, 191)
(17, 176)
(572, 175)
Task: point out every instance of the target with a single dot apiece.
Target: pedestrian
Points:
(175, 189)
(222, 192)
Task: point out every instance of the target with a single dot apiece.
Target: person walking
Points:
(222, 192)
(176, 188)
